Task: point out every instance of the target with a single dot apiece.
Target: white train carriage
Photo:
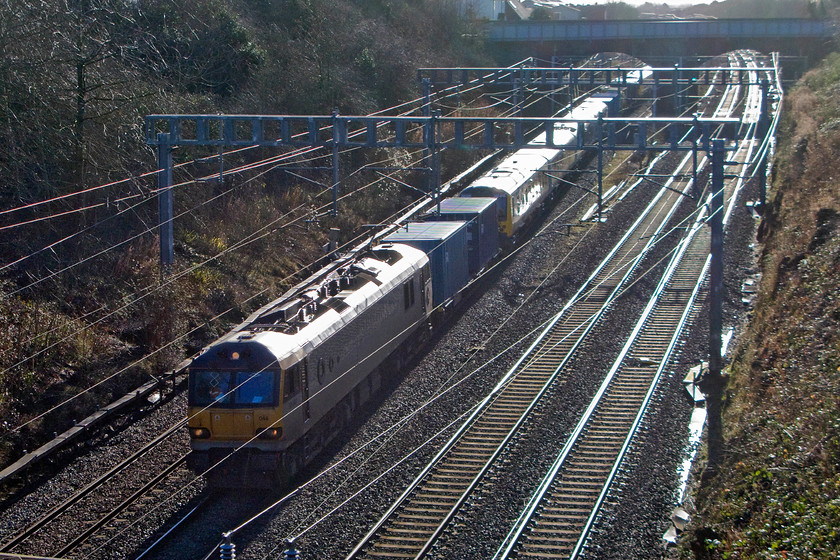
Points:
(520, 184)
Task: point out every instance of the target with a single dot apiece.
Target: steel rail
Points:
(681, 324)
(683, 271)
(125, 504)
(50, 516)
(603, 287)
(565, 538)
(171, 529)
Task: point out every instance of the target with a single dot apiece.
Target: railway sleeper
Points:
(453, 473)
(487, 424)
(479, 441)
(514, 399)
(467, 459)
(570, 501)
(536, 372)
(595, 460)
(448, 485)
(586, 468)
(614, 412)
(553, 542)
(610, 422)
(606, 439)
(441, 496)
(408, 530)
(632, 381)
(402, 540)
(591, 451)
(413, 524)
(430, 506)
(504, 410)
(543, 537)
(549, 514)
(604, 435)
(582, 485)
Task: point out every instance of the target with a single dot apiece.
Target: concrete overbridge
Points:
(681, 38)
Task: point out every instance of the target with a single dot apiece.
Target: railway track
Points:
(557, 520)
(107, 502)
(47, 536)
(420, 516)
(467, 462)
(427, 509)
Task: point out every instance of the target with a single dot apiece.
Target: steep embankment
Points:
(778, 493)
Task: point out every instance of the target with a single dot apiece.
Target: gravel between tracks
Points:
(483, 526)
(635, 524)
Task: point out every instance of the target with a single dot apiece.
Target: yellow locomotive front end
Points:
(235, 415)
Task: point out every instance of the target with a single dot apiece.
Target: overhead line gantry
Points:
(427, 132)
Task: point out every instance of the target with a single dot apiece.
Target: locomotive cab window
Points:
(233, 388)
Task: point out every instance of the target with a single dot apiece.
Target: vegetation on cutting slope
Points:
(777, 495)
(81, 292)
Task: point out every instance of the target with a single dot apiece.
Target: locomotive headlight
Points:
(269, 433)
(199, 433)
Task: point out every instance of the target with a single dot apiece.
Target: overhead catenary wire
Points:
(250, 238)
(623, 291)
(478, 368)
(268, 161)
(93, 226)
(299, 533)
(145, 295)
(55, 273)
(141, 176)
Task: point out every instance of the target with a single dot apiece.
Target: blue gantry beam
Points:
(432, 132)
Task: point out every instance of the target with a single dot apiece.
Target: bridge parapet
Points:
(663, 29)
